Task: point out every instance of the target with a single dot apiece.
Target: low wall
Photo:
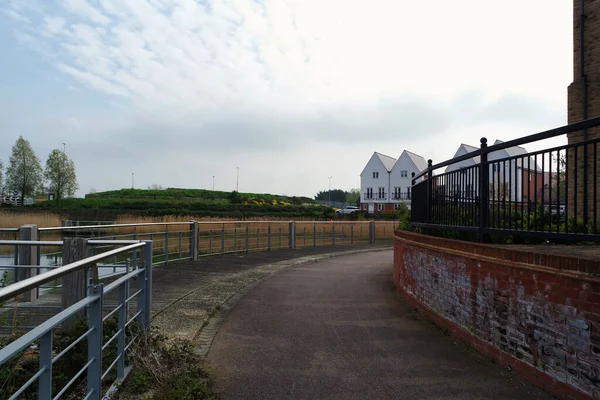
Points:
(536, 314)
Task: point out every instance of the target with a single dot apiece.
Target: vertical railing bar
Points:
(544, 218)
(567, 191)
(575, 188)
(535, 186)
(122, 327)
(595, 197)
(269, 237)
(223, 240)
(314, 235)
(247, 238)
(258, 238)
(94, 339)
(180, 239)
(166, 245)
(45, 362)
(210, 241)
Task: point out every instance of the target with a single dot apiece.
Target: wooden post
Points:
(74, 285)
(27, 256)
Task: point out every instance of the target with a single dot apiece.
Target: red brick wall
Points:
(536, 313)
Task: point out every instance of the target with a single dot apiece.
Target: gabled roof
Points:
(387, 161)
(419, 161)
(520, 151)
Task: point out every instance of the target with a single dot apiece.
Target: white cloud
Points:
(243, 76)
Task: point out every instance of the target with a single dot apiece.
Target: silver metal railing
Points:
(41, 337)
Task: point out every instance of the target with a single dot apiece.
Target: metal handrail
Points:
(61, 228)
(17, 288)
(579, 126)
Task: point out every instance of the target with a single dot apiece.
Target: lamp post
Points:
(213, 182)
(64, 148)
(330, 189)
(132, 178)
(237, 180)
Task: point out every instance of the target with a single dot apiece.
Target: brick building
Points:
(584, 103)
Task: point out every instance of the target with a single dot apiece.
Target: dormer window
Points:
(375, 175)
(403, 174)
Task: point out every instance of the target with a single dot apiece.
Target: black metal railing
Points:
(401, 196)
(549, 194)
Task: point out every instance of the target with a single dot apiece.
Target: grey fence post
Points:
(352, 234)
(314, 235)
(210, 241)
(45, 380)
(247, 238)
(134, 256)
(292, 235)
(333, 234)
(234, 238)
(74, 285)
(194, 240)
(269, 237)
(180, 245)
(372, 232)
(147, 282)
(223, 240)
(258, 238)
(94, 371)
(166, 244)
(28, 255)
(122, 328)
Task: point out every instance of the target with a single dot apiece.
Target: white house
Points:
(385, 182)
(516, 179)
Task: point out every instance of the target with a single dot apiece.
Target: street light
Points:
(132, 177)
(330, 189)
(237, 180)
(64, 148)
(213, 182)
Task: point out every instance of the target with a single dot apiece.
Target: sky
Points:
(291, 92)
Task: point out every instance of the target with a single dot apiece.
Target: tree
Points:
(156, 186)
(24, 172)
(60, 173)
(1, 170)
(353, 197)
(336, 195)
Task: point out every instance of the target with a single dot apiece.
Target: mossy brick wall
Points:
(537, 313)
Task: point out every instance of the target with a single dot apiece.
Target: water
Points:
(49, 261)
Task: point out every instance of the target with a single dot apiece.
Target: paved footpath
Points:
(337, 329)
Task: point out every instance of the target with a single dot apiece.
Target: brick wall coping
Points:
(565, 265)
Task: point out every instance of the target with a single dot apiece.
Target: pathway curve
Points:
(337, 329)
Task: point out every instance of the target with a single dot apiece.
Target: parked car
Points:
(347, 210)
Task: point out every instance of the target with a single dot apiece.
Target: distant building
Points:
(386, 182)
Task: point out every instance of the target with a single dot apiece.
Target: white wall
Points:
(367, 180)
(404, 163)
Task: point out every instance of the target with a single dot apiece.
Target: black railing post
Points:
(484, 179)
(429, 190)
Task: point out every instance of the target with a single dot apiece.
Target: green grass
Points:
(194, 194)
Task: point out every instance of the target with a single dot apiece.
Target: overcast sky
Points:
(291, 91)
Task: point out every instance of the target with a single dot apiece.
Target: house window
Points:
(375, 175)
(403, 174)
(397, 193)
(369, 194)
(396, 205)
(379, 207)
(529, 177)
(408, 192)
(381, 193)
